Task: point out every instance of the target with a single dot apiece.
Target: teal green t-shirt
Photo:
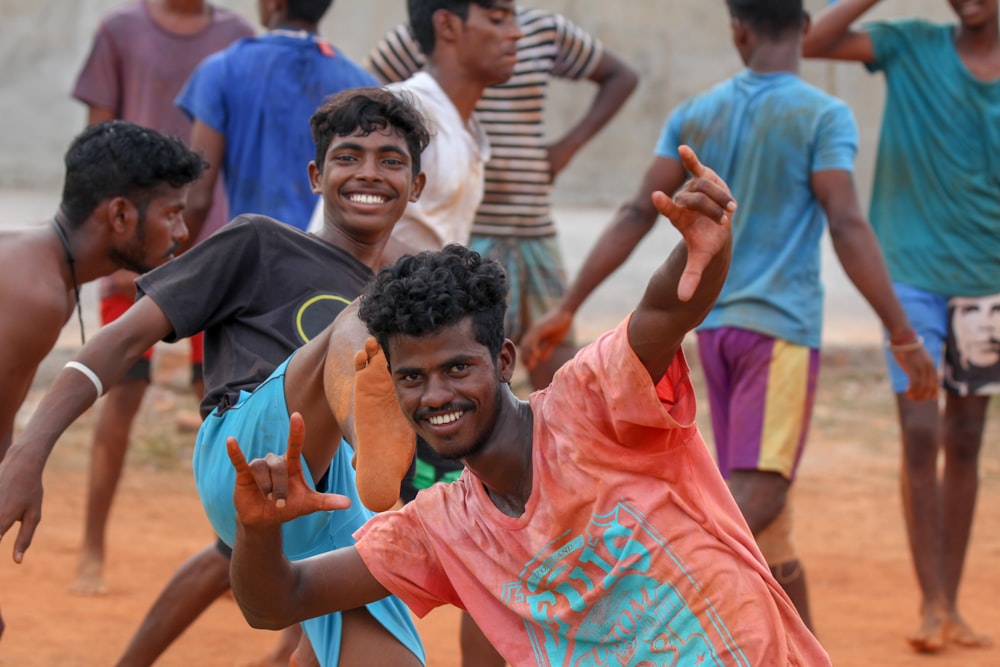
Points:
(936, 196)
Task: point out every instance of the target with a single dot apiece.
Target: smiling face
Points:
(158, 231)
(449, 387)
(366, 182)
(487, 41)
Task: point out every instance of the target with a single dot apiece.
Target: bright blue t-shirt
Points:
(260, 94)
(765, 135)
(936, 196)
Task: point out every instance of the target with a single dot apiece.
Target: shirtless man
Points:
(123, 196)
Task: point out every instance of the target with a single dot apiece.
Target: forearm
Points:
(262, 578)
(832, 25)
(70, 394)
(661, 293)
(860, 256)
(614, 89)
(201, 197)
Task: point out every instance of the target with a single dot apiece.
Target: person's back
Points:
(766, 134)
(256, 98)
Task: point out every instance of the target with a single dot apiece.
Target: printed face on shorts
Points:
(976, 324)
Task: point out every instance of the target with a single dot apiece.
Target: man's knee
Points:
(777, 542)
(761, 496)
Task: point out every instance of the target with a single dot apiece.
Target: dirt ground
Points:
(849, 531)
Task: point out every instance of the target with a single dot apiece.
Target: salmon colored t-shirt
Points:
(631, 550)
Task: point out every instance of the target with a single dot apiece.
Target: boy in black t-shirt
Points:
(264, 293)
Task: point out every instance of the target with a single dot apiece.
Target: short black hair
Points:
(424, 293)
(421, 13)
(772, 19)
(116, 158)
(369, 110)
(309, 11)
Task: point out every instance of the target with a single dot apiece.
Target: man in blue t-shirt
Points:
(787, 150)
(937, 216)
(250, 107)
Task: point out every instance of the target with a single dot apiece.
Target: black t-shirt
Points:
(259, 289)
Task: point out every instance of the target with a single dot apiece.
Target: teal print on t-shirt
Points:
(592, 600)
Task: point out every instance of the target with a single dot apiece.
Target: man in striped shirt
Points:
(513, 223)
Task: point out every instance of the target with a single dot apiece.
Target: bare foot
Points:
(89, 578)
(959, 632)
(384, 440)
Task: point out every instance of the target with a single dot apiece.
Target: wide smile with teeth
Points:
(441, 420)
(359, 198)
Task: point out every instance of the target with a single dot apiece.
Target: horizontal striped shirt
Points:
(518, 194)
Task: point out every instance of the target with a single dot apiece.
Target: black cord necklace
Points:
(72, 273)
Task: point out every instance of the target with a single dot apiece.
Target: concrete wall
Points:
(679, 47)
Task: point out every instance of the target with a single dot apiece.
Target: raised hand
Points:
(701, 211)
(273, 490)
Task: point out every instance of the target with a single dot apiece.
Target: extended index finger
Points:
(691, 161)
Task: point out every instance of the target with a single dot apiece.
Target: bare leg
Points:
(921, 432)
(289, 644)
(792, 578)
(477, 651)
(964, 420)
(303, 655)
(196, 585)
(366, 643)
(107, 457)
(761, 496)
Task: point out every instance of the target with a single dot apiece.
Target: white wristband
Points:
(91, 375)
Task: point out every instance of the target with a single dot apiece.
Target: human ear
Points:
(315, 178)
(418, 186)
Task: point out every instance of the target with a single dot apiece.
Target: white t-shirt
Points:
(453, 162)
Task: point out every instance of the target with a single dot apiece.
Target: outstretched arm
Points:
(857, 248)
(272, 592)
(632, 221)
(831, 34)
(684, 288)
(108, 355)
(616, 80)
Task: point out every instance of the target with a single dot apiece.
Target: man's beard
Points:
(480, 442)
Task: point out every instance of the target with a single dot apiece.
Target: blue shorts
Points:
(259, 421)
(928, 313)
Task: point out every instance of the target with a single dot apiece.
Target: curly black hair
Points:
(423, 293)
(117, 158)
